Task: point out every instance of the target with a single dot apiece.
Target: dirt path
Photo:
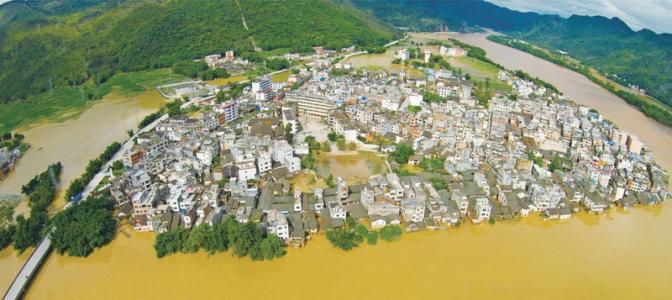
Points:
(242, 17)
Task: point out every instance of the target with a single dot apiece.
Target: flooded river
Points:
(581, 90)
(73, 142)
(615, 255)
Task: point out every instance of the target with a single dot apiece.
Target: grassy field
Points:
(66, 102)
(307, 182)
(227, 81)
(282, 76)
(274, 52)
(477, 68)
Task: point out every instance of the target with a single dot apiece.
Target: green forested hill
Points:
(643, 58)
(49, 44)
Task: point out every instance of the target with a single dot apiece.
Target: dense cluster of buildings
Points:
(529, 150)
(8, 159)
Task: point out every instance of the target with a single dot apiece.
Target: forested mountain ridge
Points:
(52, 43)
(643, 57)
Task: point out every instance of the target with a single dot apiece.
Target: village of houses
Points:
(233, 159)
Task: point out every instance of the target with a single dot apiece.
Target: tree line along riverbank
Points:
(650, 107)
(76, 230)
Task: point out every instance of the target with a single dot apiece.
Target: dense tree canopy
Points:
(85, 226)
(41, 192)
(79, 184)
(243, 239)
(41, 53)
(402, 153)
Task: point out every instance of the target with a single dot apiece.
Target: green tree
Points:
(28, 232)
(277, 64)
(330, 181)
(342, 238)
(174, 108)
(7, 236)
(372, 238)
(248, 236)
(361, 230)
(222, 96)
(340, 144)
(197, 239)
(308, 162)
(414, 109)
(331, 136)
(272, 247)
(556, 163)
(190, 68)
(82, 228)
(170, 242)
(390, 233)
(289, 136)
(326, 147)
(217, 240)
(402, 153)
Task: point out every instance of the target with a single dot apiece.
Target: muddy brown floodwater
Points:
(619, 254)
(73, 142)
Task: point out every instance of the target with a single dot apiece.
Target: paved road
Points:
(28, 270)
(22, 279)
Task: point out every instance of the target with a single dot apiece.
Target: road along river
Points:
(620, 254)
(72, 142)
(580, 89)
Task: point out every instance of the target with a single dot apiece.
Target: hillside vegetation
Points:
(643, 58)
(83, 41)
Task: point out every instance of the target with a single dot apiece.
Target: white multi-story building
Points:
(264, 162)
(282, 151)
(394, 188)
(298, 205)
(403, 54)
(413, 210)
(228, 109)
(547, 197)
(276, 223)
(634, 144)
(414, 99)
(313, 106)
(262, 88)
(336, 210)
(293, 164)
(461, 200)
(390, 104)
(482, 210)
(247, 170)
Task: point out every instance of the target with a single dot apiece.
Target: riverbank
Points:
(513, 259)
(644, 103)
(579, 89)
(73, 142)
(590, 257)
(67, 103)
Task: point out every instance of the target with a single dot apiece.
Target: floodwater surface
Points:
(620, 254)
(74, 143)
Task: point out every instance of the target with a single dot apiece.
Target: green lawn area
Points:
(227, 81)
(66, 102)
(481, 70)
(477, 67)
(282, 76)
(274, 52)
